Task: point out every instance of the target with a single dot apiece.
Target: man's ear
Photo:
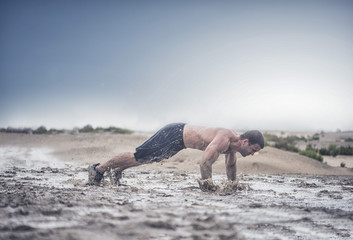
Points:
(244, 142)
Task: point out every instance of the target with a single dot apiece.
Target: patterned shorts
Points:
(164, 144)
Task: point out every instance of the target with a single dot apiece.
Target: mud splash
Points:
(55, 203)
(227, 187)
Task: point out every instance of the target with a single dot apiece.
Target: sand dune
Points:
(267, 161)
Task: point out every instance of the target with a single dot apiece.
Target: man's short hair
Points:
(254, 137)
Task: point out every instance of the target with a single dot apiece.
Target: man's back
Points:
(198, 137)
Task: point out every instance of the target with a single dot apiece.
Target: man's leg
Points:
(120, 162)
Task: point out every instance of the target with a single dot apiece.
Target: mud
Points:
(226, 187)
(207, 185)
(53, 201)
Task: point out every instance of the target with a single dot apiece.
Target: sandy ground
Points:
(336, 161)
(44, 195)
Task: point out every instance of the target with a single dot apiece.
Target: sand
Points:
(278, 195)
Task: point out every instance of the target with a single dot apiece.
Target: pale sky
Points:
(268, 65)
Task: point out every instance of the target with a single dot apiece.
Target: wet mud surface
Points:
(55, 203)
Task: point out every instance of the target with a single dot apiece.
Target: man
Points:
(177, 136)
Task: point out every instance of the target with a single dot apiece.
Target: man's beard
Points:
(243, 152)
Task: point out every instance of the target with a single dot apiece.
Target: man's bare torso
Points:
(198, 137)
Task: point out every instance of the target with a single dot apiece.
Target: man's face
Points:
(247, 149)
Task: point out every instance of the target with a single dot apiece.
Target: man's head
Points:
(252, 141)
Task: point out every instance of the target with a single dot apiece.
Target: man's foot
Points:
(94, 176)
(115, 176)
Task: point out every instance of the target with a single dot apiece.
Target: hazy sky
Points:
(269, 65)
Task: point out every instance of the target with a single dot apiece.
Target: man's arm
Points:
(219, 144)
(231, 166)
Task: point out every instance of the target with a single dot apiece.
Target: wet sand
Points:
(55, 203)
(44, 197)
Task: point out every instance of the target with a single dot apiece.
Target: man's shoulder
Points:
(212, 131)
(230, 135)
(227, 132)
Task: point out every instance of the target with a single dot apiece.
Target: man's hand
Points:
(230, 186)
(207, 185)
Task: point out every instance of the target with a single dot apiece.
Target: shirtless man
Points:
(177, 136)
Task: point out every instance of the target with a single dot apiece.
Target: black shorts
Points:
(164, 144)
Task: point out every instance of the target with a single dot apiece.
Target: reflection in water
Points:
(33, 158)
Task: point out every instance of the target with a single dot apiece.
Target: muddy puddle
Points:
(52, 201)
